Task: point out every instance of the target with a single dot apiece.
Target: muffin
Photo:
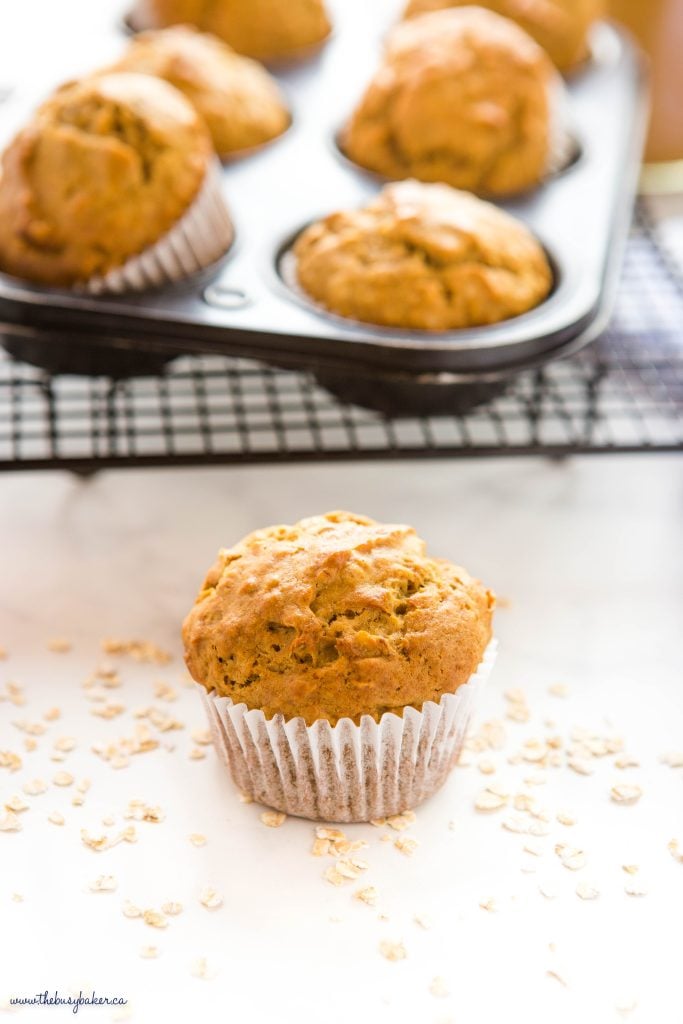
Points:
(561, 27)
(239, 101)
(463, 97)
(338, 663)
(425, 257)
(111, 186)
(265, 29)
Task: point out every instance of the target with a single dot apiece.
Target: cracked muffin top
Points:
(425, 257)
(336, 617)
(462, 96)
(104, 168)
(237, 98)
(560, 26)
(265, 29)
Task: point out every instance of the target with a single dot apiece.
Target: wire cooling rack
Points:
(622, 394)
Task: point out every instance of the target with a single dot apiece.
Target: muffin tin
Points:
(248, 305)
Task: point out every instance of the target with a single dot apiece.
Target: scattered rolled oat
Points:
(489, 801)
(334, 877)
(35, 787)
(210, 898)
(96, 843)
(163, 691)
(630, 869)
(8, 759)
(130, 910)
(549, 890)
(625, 794)
(172, 909)
(400, 822)
(626, 761)
(245, 798)
(558, 690)
(423, 921)
(571, 858)
(201, 969)
(489, 904)
(350, 867)
(675, 851)
(392, 950)
(674, 759)
(10, 822)
(367, 895)
(486, 766)
(139, 650)
(202, 737)
(565, 818)
(580, 765)
(557, 977)
(513, 823)
(103, 883)
(16, 803)
(406, 845)
(439, 988)
(320, 848)
(154, 919)
(63, 779)
(138, 810)
(636, 888)
(149, 952)
(197, 754)
(59, 645)
(587, 892)
(56, 818)
(273, 819)
(197, 839)
(52, 714)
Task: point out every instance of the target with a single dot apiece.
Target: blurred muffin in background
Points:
(237, 98)
(111, 186)
(463, 97)
(264, 29)
(424, 257)
(561, 27)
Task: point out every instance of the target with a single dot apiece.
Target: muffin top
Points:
(423, 256)
(265, 29)
(103, 170)
(559, 26)
(237, 98)
(335, 617)
(463, 96)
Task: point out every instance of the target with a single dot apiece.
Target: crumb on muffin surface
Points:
(336, 617)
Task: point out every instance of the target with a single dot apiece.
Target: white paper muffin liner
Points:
(347, 772)
(200, 237)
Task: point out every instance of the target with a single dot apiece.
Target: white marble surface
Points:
(588, 552)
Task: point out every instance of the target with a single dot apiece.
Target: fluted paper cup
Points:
(199, 238)
(345, 772)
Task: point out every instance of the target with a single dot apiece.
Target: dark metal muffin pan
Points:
(581, 216)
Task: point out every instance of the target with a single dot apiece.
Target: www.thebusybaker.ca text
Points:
(75, 1002)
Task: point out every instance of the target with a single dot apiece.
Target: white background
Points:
(588, 552)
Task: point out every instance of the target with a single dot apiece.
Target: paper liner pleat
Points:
(197, 240)
(345, 772)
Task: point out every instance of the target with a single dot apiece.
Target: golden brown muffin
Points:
(237, 98)
(335, 617)
(561, 27)
(103, 170)
(462, 97)
(265, 29)
(423, 256)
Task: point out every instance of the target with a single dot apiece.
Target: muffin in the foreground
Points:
(264, 29)
(463, 97)
(425, 257)
(239, 101)
(112, 186)
(338, 664)
(561, 27)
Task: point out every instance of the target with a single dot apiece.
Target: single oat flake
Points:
(675, 850)
(172, 909)
(210, 898)
(393, 951)
(201, 969)
(103, 883)
(439, 988)
(571, 858)
(273, 819)
(406, 845)
(34, 787)
(587, 892)
(56, 818)
(17, 804)
(63, 779)
(154, 919)
(197, 839)
(636, 888)
(367, 895)
(489, 801)
(130, 910)
(10, 822)
(149, 952)
(625, 794)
